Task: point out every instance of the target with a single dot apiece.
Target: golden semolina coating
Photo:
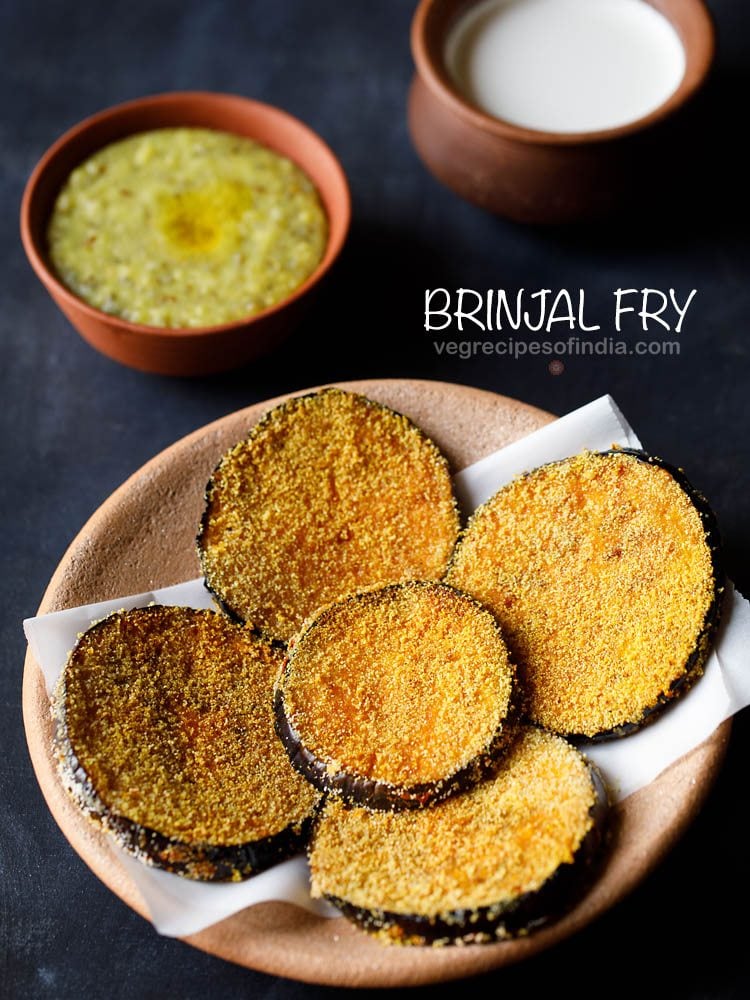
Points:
(486, 848)
(402, 685)
(600, 573)
(330, 494)
(169, 713)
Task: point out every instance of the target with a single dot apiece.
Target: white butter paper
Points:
(595, 426)
(180, 907)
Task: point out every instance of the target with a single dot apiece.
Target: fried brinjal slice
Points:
(397, 697)
(516, 851)
(165, 736)
(330, 494)
(605, 574)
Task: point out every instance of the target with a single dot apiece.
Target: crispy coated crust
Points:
(509, 919)
(362, 790)
(273, 420)
(697, 659)
(195, 860)
(695, 662)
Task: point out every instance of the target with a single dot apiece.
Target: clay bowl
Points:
(545, 177)
(198, 350)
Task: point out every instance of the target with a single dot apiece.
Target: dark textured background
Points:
(75, 425)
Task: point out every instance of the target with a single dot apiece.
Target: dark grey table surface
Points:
(75, 425)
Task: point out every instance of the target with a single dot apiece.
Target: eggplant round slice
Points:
(500, 861)
(165, 737)
(397, 698)
(330, 494)
(604, 572)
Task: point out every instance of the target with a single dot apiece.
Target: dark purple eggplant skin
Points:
(199, 861)
(516, 918)
(697, 659)
(359, 790)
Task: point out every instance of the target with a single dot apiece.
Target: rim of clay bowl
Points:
(428, 41)
(338, 223)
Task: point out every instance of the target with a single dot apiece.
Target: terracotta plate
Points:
(142, 537)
